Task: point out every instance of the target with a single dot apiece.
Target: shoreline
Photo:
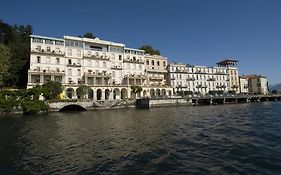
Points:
(147, 103)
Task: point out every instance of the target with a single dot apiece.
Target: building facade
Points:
(156, 68)
(108, 68)
(186, 79)
(243, 84)
(232, 71)
(257, 84)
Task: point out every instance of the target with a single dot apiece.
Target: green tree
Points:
(17, 39)
(51, 90)
(149, 50)
(5, 55)
(89, 35)
(82, 91)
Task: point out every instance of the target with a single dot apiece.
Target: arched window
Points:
(147, 62)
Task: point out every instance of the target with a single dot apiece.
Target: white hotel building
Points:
(108, 68)
(197, 79)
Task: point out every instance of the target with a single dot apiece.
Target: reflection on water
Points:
(221, 139)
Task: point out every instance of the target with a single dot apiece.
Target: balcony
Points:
(133, 76)
(156, 78)
(44, 71)
(97, 57)
(234, 86)
(221, 86)
(136, 61)
(73, 65)
(156, 71)
(115, 67)
(42, 51)
(94, 74)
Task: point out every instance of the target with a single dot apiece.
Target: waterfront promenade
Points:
(155, 102)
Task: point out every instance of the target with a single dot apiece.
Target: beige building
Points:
(243, 85)
(108, 68)
(156, 69)
(232, 71)
(186, 79)
(257, 84)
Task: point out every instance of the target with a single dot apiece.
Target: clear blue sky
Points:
(198, 32)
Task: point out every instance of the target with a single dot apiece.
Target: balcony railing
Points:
(130, 60)
(42, 51)
(221, 86)
(116, 67)
(44, 71)
(100, 74)
(73, 65)
(97, 57)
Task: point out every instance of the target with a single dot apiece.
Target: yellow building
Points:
(232, 70)
(155, 66)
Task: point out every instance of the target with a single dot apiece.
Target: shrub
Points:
(32, 107)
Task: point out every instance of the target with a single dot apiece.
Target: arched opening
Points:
(144, 93)
(71, 108)
(124, 94)
(116, 93)
(133, 95)
(158, 92)
(152, 93)
(163, 92)
(99, 94)
(107, 93)
(69, 92)
(91, 94)
(139, 94)
(170, 93)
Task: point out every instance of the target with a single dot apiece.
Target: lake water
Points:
(220, 139)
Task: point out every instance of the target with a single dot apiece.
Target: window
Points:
(38, 48)
(57, 60)
(69, 61)
(48, 60)
(164, 63)
(69, 52)
(147, 62)
(48, 49)
(78, 72)
(38, 59)
(158, 63)
(69, 72)
(152, 62)
(60, 43)
(37, 40)
(47, 41)
(79, 53)
(120, 57)
(104, 64)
